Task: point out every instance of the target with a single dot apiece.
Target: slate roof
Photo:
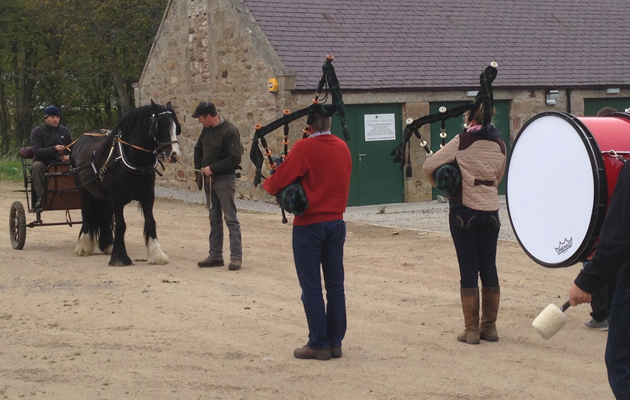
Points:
(410, 44)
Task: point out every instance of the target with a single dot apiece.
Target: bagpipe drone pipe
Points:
(402, 153)
(292, 198)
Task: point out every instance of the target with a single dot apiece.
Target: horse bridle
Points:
(159, 147)
(154, 123)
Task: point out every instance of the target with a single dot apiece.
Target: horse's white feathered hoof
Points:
(108, 250)
(85, 246)
(155, 253)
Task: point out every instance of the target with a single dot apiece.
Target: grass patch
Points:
(11, 169)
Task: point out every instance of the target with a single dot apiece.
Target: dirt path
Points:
(75, 328)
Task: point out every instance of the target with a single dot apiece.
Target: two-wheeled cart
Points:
(61, 195)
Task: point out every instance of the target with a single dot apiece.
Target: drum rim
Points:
(600, 189)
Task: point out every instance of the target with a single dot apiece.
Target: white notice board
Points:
(379, 127)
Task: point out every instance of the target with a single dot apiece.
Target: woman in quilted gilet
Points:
(474, 221)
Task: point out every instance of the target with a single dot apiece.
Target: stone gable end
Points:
(212, 51)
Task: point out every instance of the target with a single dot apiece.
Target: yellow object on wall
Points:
(273, 85)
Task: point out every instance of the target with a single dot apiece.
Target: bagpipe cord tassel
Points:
(408, 170)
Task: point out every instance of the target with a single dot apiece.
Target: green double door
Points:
(455, 126)
(375, 130)
(592, 106)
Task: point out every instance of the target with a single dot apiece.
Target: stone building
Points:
(394, 59)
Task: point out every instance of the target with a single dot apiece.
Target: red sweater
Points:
(323, 164)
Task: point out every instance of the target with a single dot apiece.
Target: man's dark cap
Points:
(51, 111)
(205, 107)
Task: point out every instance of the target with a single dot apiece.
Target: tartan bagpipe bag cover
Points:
(293, 199)
(448, 177)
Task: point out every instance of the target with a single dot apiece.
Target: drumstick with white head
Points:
(551, 320)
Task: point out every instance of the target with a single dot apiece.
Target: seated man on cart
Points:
(49, 142)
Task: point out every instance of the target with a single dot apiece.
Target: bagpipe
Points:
(448, 175)
(293, 198)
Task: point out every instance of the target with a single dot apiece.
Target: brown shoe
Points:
(235, 264)
(335, 352)
(210, 262)
(306, 353)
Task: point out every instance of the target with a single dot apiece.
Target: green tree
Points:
(117, 34)
(17, 76)
(81, 55)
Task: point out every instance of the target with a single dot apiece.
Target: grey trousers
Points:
(221, 201)
(38, 180)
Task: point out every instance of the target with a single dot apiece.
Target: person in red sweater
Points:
(322, 164)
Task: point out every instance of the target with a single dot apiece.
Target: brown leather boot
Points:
(470, 306)
(490, 308)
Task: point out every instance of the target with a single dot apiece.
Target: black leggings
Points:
(475, 235)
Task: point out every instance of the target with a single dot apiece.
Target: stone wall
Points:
(213, 50)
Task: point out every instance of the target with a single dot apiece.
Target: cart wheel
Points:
(17, 225)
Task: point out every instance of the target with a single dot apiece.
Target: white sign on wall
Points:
(379, 127)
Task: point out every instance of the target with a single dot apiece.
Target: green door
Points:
(375, 130)
(591, 106)
(455, 126)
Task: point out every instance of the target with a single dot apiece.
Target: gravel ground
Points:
(429, 220)
(426, 216)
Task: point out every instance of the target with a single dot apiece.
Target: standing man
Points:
(217, 156)
(49, 142)
(602, 298)
(612, 259)
(322, 164)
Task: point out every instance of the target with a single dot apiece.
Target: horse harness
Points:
(100, 173)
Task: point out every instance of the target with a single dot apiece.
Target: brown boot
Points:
(470, 306)
(490, 308)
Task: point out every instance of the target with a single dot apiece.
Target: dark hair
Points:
(605, 111)
(320, 123)
(205, 108)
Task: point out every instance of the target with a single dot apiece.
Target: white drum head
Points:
(552, 183)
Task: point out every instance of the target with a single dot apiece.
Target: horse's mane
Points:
(137, 119)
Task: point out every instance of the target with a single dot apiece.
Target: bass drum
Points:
(561, 175)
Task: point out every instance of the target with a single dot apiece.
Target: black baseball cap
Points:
(205, 107)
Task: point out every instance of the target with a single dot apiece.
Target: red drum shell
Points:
(611, 133)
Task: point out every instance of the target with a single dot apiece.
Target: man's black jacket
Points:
(44, 138)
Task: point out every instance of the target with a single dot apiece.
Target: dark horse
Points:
(114, 169)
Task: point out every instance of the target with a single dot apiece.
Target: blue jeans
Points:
(475, 235)
(222, 200)
(618, 346)
(315, 245)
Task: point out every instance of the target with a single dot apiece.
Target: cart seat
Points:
(26, 153)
